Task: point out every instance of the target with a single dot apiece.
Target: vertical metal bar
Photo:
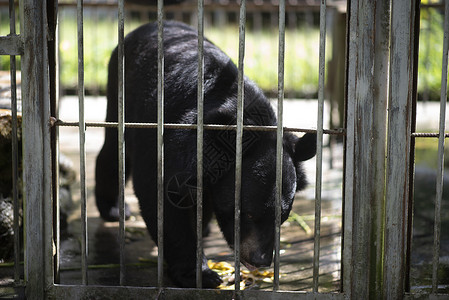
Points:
(199, 146)
(52, 11)
(14, 149)
(417, 23)
(441, 138)
(121, 135)
(319, 156)
(82, 136)
(398, 147)
(56, 200)
(279, 145)
(160, 142)
(36, 146)
(239, 135)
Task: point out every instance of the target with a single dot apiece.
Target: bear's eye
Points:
(249, 216)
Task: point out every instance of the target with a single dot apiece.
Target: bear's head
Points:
(258, 194)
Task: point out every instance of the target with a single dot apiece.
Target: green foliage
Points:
(100, 38)
(261, 57)
(261, 63)
(430, 54)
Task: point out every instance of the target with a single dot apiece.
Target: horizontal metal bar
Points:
(206, 126)
(92, 291)
(11, 45)
(428, 135)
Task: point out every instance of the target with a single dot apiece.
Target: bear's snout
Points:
(261, 259)
(256, 252)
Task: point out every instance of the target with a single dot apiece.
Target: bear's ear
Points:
(305, 147)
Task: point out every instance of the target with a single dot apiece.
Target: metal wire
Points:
(341, 131)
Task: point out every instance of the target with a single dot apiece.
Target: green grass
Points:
(301, 57)
(261, 50)
(261, 57)
(430, 54)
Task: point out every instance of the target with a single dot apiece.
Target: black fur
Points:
(220, 98)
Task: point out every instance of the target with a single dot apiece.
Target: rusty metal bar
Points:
(206, 126)
(279, 145)
(199, 147)
(428, 135)
(14, 149)
(121, 135)
(319, 153)
(36, 149)
(440, 172)
(82, 137)
(160, 143)
(238, 141)
(398, 147)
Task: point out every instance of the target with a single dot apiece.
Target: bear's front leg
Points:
(184, 275)
(180, 249)
(179, 246)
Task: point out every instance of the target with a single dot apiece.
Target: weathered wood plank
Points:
(398, 146)
(36, 151)
(11, 45)
(367, 77)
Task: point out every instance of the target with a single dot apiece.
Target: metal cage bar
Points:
(199, 146)
(279, 145)
(441, 144)
(121, 135)
(14, 149)
(160, 143)
(239, 135)
(207, 127)
(319, 156)
(82, 141)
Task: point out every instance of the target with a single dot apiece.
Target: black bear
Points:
(180, 105)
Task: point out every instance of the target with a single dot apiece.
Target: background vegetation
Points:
(100, 37)
(301, 64)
